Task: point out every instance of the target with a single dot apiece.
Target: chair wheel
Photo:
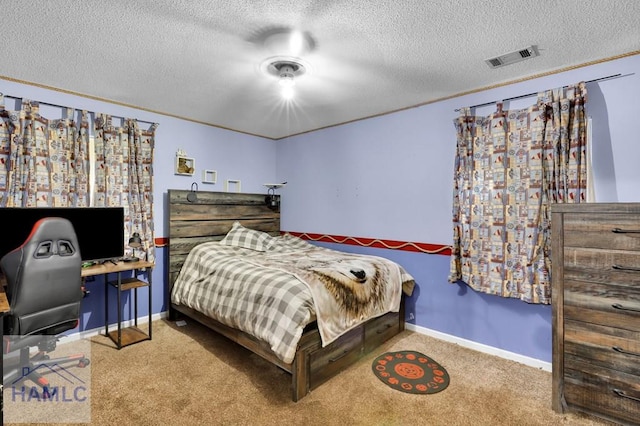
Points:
(83, 362)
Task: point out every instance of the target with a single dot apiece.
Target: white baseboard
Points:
(531, 362)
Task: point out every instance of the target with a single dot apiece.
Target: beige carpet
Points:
(192, 376)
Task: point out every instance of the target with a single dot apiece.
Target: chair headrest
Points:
(53, 236)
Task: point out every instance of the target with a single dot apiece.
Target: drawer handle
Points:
(622, 351)
(623, 394)
(626, 268)
(625, 231)
(386, 327)
(339, 356)
(622, 308)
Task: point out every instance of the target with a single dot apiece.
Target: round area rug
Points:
(410, 372)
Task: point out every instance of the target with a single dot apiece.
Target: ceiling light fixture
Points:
(287, 70)
(288, 45)
(287, 93)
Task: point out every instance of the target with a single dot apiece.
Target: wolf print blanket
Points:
(347, 289)
(274, 294)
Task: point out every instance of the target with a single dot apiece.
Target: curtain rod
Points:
(76, 109)
(609, 77)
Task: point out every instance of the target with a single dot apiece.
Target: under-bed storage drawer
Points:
(326, 362)
(380, 330)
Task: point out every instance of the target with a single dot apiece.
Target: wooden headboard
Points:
(199, 216)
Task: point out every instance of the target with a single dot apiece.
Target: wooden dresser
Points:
(596, 309)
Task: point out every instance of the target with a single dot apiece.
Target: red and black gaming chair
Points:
(44, 290)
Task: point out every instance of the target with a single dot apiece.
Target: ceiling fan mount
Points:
(287, 46)
(285, 67)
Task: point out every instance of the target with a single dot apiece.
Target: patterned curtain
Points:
(509, 168)
(69, 150)
(124, 177)
(46, 163)
(42, 162)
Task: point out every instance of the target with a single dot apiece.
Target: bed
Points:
(231, 242)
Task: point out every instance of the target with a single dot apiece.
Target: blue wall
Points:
(233, 155)
(390, 177)
(387, 177)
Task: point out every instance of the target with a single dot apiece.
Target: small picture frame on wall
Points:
(185, 166)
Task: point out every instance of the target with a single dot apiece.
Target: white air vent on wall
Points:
(513, 57)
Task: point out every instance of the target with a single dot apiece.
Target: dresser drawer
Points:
(595, 318)
(602, 356)
(595, 272)
(604, 392)
(344, 351)
(596, 230)
(380, 330)
(607, 304)
(609, 260)
(625, 341)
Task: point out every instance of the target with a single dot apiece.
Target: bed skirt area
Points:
(313, 364)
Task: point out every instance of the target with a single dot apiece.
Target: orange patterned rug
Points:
(410, 372)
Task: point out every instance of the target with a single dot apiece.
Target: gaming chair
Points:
(44, 290)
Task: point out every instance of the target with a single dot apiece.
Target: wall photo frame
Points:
(185, 166)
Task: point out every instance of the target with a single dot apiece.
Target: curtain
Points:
(509, 168)
(124, 177)
(55, 163)
(69, 153)
(43, 162)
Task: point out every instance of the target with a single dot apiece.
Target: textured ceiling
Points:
(200, 59)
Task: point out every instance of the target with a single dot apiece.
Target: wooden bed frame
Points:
(199, 216)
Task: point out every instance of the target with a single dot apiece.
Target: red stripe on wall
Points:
(374, 242)
(358, 241)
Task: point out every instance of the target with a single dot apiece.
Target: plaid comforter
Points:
(244, 289)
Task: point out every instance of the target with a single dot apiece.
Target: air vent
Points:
(513, 57)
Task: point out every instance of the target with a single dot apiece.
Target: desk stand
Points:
(124, 336)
